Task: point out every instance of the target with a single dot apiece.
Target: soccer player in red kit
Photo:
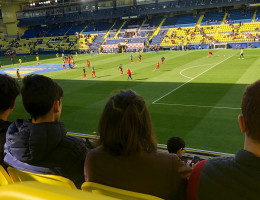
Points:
(157, 67)
(162, 59)
(129, 73)
(121, 68)
(88, 63)
(84, 73)
(18, 75)
(93, 72)
(140, 58)
(63, 64)
(69, 62)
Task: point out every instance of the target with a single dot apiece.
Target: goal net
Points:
(220, 46)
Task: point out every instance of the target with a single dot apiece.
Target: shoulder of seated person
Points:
(219, 161)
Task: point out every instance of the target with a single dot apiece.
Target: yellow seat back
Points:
(21, 176)
(40, 191)
(97, 188)
(4, 177)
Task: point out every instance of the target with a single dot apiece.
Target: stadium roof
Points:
(7, 2)
(4, 2)
(17, 1)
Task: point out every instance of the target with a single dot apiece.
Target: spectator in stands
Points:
(9, 90)
(233, 177)
(176, 145)
(40, 145)
(127, 155)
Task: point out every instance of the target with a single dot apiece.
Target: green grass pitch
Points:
(193, 96)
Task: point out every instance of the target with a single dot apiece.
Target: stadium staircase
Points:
(254, 16)
(224, 18)
(109, 30)
(83, 29)
(68, 30)
(118, 31)
(143, 23)
(157, 29)
(200, 20)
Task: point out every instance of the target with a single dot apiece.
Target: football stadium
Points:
(189, 62)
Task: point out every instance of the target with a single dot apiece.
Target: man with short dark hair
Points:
(233, 177)
(9, 90)
(176, 145)
(40, 145)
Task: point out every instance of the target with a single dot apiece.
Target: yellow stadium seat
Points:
(4, 177)
(21, 176)
(97, 188)
(38, 191)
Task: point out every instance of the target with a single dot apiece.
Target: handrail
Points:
(163, 146)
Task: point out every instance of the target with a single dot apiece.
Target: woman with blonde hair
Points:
(126, 156)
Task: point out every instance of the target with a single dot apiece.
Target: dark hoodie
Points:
(45, 148)
(3, 128)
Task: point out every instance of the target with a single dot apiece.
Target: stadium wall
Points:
(9, 19)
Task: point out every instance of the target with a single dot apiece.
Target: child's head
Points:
(9, 90)
(176, 145)
(39, 94)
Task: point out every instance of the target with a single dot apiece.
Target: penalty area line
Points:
(198, 106)
(191, 68)
(190, 80)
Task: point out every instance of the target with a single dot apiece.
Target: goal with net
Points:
(220, 46)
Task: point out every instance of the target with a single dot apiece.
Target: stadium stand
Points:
(153, 23)
(86, 40)
(212, 18)
(237, 16)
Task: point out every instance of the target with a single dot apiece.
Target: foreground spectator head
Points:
(250, 119)
(125, 125)
(9, 90)
(127, 155)
(233, 177)
(40, 94)
(176, 145)
(41, 144)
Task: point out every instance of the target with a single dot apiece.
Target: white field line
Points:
(190, 80)
(199, 106)
(190, 68)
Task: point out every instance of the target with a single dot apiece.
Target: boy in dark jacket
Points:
(40, 144)
(9, 90)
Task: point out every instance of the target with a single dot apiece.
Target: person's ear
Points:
(56, 106)
(179, 153)
(241, 121)
(12, 106)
